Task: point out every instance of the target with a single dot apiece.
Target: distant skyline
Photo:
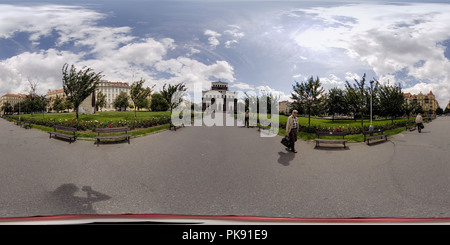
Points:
(252, 45)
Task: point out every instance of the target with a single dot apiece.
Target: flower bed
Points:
(93, 124)
(349, 129)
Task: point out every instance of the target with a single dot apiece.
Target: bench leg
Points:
(98, 142)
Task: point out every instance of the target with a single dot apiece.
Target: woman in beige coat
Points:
(419, 122)
(292, 128)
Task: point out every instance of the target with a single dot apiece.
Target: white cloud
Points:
(113, 51)
(391, 39)
(41, 20)
(43, 66)
(231, 35)
(242, 86)
(265, 89)
(235, 33)
(332, 81)
(213, 41)
(147, 52)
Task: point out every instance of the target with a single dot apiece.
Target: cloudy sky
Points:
(253, 45)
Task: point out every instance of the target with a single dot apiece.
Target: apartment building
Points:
(51, 96)
(285, 107)
(112, 90)
(12, 99)
(427, 101)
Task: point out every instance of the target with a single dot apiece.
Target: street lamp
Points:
(19, 108)
(371, 92)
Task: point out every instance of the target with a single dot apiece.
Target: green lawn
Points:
(341, 123)
(102, 116)
(128, 116)
(344, 124)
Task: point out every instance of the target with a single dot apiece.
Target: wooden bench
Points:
(330, 141)
(26, 124)
(411, 126)
(70, 137)
(175, 127)
(112, 137)
(374, 134)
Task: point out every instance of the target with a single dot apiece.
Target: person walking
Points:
(247, 117)
(419, 122)
(292, 128)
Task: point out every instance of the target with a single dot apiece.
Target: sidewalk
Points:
(225, 171)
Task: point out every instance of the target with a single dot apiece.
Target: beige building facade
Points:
(51, 97)
(12, 99)
(219, 98)
(285, 107)
(112, 90)
(426, 101)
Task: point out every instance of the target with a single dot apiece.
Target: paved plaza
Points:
(225, 171)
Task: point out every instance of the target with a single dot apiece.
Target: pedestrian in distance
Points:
(247, 118)
(419, 122)
(292, 128)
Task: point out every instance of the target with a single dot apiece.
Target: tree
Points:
(78, 85)
(121, 101)
(308, 95)
(58, 104)
(7, 108)
(439, 111)
(446, 110)
(159, 103)
(67, 104)
(172, 94)
(30, 100)
(391, 100)
(409, 108)
(41, 104)
(144, 103)
(139, 95)
(358, 97)
(335, 102)
(101, 100)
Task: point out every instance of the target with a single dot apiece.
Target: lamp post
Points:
(19, 108)
(371, 93)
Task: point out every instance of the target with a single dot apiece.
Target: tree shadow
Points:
(64, 201)
(285, 158)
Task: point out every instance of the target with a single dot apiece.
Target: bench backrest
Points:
(373, 131)
(324, 133)
(112, 130)
(63, 128)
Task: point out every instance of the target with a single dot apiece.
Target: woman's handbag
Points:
(286, 141)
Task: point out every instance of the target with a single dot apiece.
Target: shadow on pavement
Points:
(332, 148)
(285, 158)
(64, 201)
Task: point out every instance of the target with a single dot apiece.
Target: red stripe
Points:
(268, 220)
